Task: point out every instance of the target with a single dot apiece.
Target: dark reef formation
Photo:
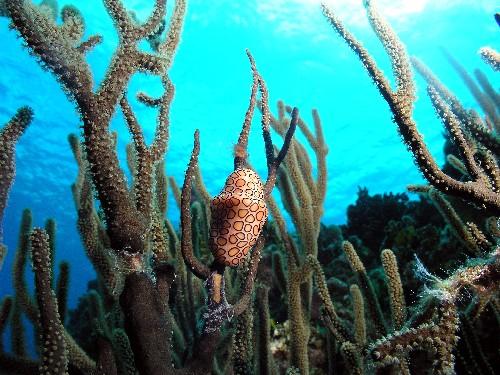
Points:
(404, 287)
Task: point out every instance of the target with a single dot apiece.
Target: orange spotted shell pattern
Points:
(239, 213)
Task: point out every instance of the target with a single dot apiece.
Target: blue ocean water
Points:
(303, 62)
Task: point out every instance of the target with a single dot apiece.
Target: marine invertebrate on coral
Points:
(220, 215)
(238, 216)
(119, 242)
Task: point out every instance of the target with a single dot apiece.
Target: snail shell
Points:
(239, 213)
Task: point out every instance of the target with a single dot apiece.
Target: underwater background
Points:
(304, 64)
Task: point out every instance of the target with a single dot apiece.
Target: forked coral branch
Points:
(63, 54)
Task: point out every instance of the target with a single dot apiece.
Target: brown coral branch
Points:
(175, 190)
(438, 337)
(90, 227)
(335, 324)
(483, 100)
(148, 156)
(246, 292)
(54, 355)
(23, 299)
(197, 267)
(317, 143)
(155, 19)
(395, 286)
(458, 227)
(241, 154)
(9, 135)
(455, 105)
(168, 48)
(5, 309)
(488, 89)
(146, 325)
(405, 88)
(366, 286)
(273, 162)
(61, 55)
(73, 26)
(452, 125)
(52, 45)
(201, 189)
(373, 70)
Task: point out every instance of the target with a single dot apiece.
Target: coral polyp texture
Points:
(251, 282)
(9, 135)
(239, 213)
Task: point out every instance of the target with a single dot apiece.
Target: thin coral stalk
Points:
(54, 355)
(9, 135)
(273, 162)
(196, 266)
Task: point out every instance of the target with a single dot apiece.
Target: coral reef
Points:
(476, 142)
(231, 292)
(127, 243)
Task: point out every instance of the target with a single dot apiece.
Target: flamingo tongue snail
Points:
(239, 213)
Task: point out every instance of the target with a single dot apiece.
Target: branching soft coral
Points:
(130, 243)
(477, 143)
(401, 101)
(62, 52)
(9, 135)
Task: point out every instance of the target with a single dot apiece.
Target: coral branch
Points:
(366, 286)
(146, 325)
(396, 294)
(9, 135)
(61, 54)
(246, 292)
(241, 154)
(197, 267)
(147, 157)
(359, 316)
(168, 48)
(54, 356)
(491, 57)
